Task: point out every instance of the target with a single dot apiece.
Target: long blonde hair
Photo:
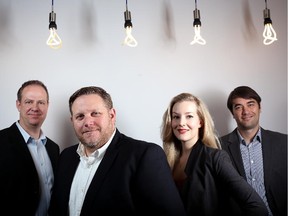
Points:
(207, 133)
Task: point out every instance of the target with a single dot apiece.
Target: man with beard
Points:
(107, 172)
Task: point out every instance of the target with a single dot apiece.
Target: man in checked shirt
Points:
(259, 155)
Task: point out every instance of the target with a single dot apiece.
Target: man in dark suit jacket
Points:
(259, 155)
(107, 172)
(27, 157)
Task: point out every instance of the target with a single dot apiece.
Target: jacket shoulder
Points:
(125, 140)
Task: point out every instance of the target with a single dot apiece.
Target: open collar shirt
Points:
(84, 174)
(253, 164)
(43, 166)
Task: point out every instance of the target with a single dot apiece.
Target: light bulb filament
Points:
(129, 39)
(54, 41)
(269, 34)
(197, 37)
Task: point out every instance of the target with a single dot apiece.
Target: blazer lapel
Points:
(234, 150)
(267, 150)
(102, 170)
(20, 146)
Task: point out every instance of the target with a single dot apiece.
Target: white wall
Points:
(142, 80)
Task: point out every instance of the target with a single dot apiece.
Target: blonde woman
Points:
(203, 173)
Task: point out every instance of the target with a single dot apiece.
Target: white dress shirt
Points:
(84, 175)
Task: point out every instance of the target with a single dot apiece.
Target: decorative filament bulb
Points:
(129, 39)
(197, 25)
(54, 41)
(269, 33)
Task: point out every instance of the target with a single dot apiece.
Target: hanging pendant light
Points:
(129, 39)
(269, 33)
(197, 27)
(53, 41)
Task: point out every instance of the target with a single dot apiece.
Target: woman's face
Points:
(185, 121)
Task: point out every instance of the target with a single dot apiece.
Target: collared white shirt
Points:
(43, 166)
(84, 175)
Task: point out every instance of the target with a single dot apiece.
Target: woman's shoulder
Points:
(215, 155)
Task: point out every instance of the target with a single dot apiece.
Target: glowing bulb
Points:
(197, 25)
(54, 41)
(269, 33)
(197, 37)
(129, 39)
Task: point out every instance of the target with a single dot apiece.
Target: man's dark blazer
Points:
(274, 148)
(133, 178)
(19, 182)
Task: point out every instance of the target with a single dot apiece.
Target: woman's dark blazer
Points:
(19, 182)
(274, 149)
(212, 181)
(133, 178)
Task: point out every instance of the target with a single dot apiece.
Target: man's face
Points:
(93, 122)
(246, 112)
(33, 107)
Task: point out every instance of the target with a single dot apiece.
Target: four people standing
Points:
(108, 172)
(27, 157)
(259, 155)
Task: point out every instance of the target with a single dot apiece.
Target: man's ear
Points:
(112, 113)
(18, 104)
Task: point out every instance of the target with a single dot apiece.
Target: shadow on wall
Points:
(168, 24)
(88, 23)
(249, 29)
(216, 103)
(68, 135)
(6, 36)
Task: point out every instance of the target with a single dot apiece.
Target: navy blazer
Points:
(212, 181)
(133, 178)
(274, 148)
(19, 183)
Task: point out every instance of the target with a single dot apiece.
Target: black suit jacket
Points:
(212, 181)
(19, 183)
(274, 149)
(133, 178)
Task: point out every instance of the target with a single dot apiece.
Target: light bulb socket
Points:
(267, 21)
(266, 14)
(197, 21)
(52, 17)
(52, 25)
(127, 16)
(52, 20)
(196, 13)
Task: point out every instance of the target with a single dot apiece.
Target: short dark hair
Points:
(91, 90)
(28, 83)
(242, 92)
